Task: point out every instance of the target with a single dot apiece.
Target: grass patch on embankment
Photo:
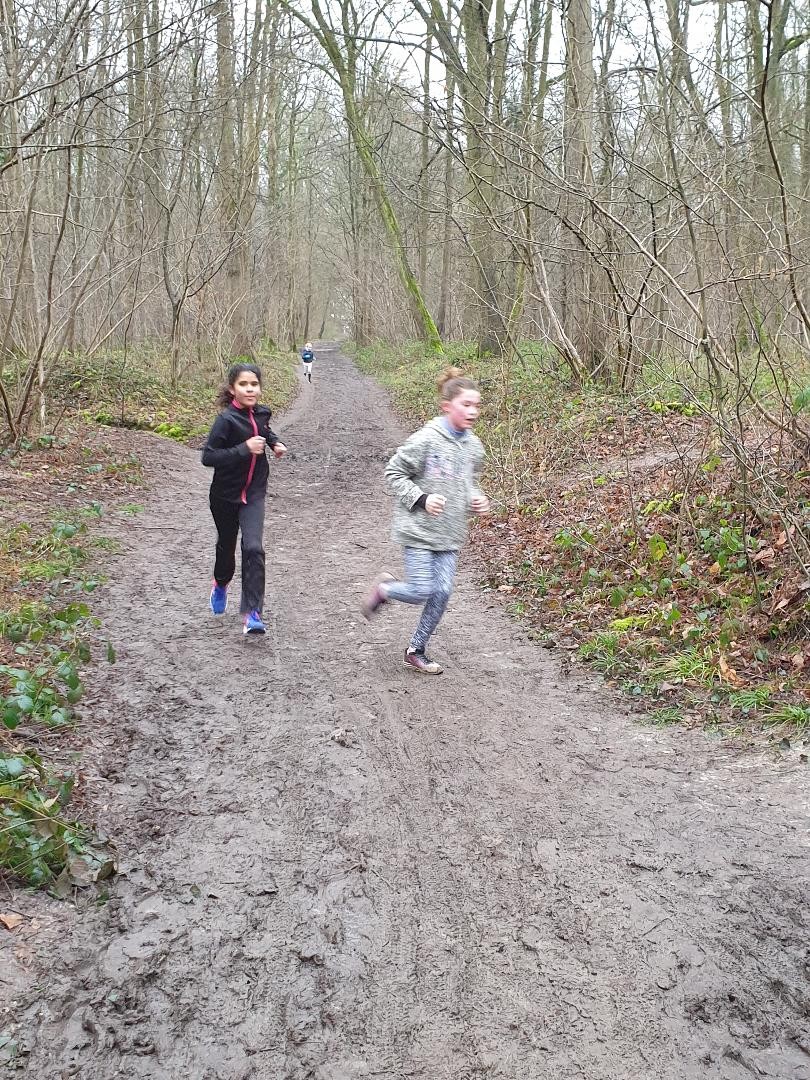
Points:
(620, 529)
(133, 390)
(53, 559)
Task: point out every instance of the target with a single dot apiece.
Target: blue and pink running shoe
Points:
(254, 624)
(219, 598)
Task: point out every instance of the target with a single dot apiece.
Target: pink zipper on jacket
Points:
(252, 466)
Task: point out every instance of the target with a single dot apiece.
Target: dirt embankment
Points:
(334, 868)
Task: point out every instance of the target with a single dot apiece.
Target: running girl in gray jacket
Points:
(434, 477)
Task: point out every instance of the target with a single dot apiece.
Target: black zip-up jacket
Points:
(238, 474)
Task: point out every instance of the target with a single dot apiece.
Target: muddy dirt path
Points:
(491, 874)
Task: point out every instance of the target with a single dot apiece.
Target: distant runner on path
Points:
(435, 477)
(307, 357)
(235, 449)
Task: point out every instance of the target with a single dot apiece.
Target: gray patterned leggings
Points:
(429, 581)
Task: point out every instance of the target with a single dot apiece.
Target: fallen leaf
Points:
(84, 870)
(728, 672)
(786, 601)
(766, 554)
(798, 661)
(782, 538)
(714, 569)
(11, 920)
(506, 588)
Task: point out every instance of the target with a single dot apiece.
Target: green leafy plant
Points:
(572, 539)
(747, 701)
(666, 715)
(36, 622)
(690, 665)
(681, 407)
(725, 544)
(37, 696)
(53, 640)
(711, 464)
(796, 717)
(658, 547)
(632, 622)
(37, 843)
(664, 506)
(603, 650)
(108, 544)
(52, 554)
(172, 431)
(142, 396)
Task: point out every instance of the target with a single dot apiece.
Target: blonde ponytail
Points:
(453, 382)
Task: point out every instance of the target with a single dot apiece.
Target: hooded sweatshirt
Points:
(239, 476)
(434, 461)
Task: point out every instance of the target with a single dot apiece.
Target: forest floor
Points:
(331, 867)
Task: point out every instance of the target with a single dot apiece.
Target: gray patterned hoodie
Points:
(434, 462)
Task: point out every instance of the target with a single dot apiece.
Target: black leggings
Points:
(229, 518)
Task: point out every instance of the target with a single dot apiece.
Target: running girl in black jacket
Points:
(235, 449)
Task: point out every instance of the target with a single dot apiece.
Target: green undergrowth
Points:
(530, 384)
(39, 843)
(620, 524)
(45, 628)
(133, 389)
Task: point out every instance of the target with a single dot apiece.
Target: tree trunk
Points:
(424, 179)
(442, 320)
(577, 300)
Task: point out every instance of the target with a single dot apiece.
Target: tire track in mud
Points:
(334, 869)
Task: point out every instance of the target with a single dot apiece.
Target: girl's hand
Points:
(256, 444)
(479, 504)
(279, 449)
(434, 505)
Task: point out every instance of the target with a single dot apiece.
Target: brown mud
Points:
(335, 868)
